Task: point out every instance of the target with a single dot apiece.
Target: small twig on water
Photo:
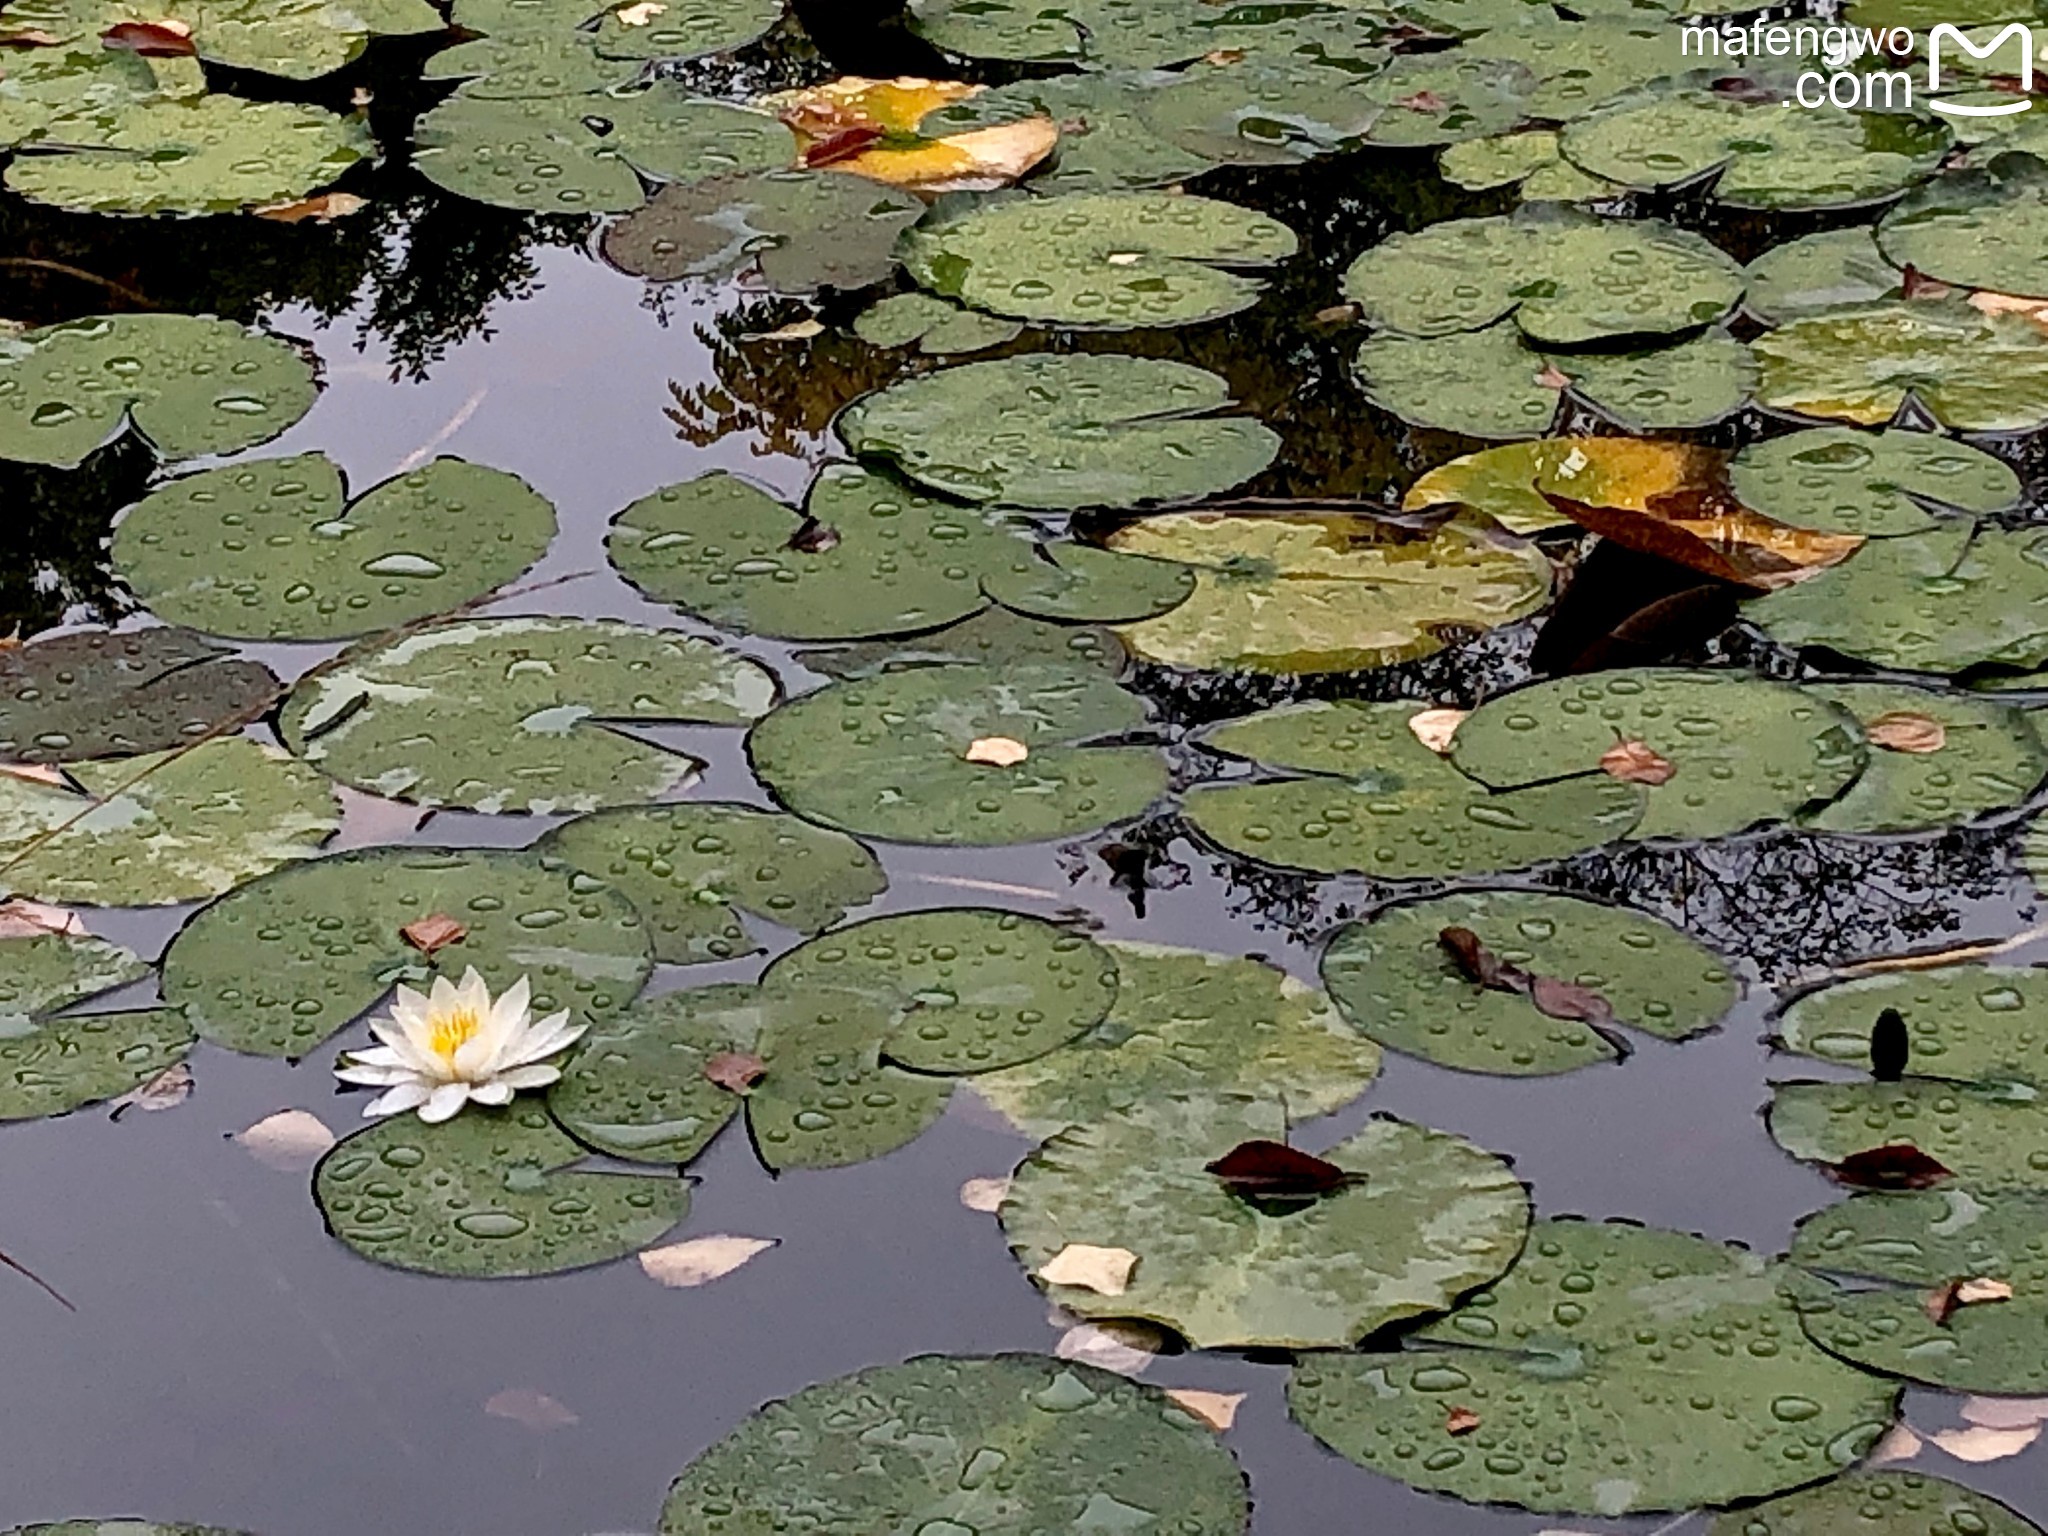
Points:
(65, 269)
(1933, 959)
(26, 1273)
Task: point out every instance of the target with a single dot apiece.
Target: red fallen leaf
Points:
(1553, 378)
(814, 538)
(735, 1071)
(1899, 1165)
(1915, 284)
(1568, 1000)
(1423, 101)
(151, 39)
(1462, 1421)
(1274, 1169)
(1637, 762)
(433, 933)
(843, 144)
(1554, 997)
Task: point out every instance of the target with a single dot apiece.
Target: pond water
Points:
(225, 1360)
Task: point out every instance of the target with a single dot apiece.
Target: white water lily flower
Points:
(454, 1045)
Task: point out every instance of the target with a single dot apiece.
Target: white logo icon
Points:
(2026, 70)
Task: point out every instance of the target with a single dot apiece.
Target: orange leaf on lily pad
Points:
(434, 932)
(1905, 730)
(1636, 762)
(151, 39)
(870, 128)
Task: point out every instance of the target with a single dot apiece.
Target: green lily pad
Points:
(1063, 431)
(47, 85)
(1263, 110)
(1841, 269)
(300, 40)
(1375, 801)
(52, 1062)
(936, 327)
(490, 1194)
(995, 636)
(1529, 160)
(887, 756)
(1983, 227)
(636, 1088)
(1955, 597)
(693, 870)
(211, 154)
(1990, 759)
(1439, 98)
(509, 715)
(1878, 484)
(1490, 383)
(278, 966)
(1393, 979)
(1566, 278)
(97, 693)
(1107, 141)
(1989, 1136)
(586, 154)
(1139, 34)
(1615, 1370)
(1965, 1023)
(885, 559)
(1335, 593)
(1185, 1023)
(803, 230)
(1077, 583)
(528, 64)
(1775, 155)
(944, 1444)
(1429, 1218)
(1919, 1243)
(1888, 1503)
(1972, 372)
(1106, 260)
(190, 385)
(159, 828)
(962, 989)
(1582, 66)
(276, 550)
(1746, 751)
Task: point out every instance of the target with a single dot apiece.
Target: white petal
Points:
(375, 1076)
(497, 1091)
(405, 1096)
(513, 1009)
(529, 1077)
(476, 997)
(443, 998)
(376, 1056)
(443, 1102)
(550, 1037)
(407, 1005)
(474, 1058)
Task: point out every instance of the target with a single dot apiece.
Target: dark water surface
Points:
(229, 1363)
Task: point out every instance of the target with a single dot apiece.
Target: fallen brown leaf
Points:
(2005, 1412)
(36, 773)
(1218, 1410)
(700, 1260)
(1434, 728)
(1975, 1292)
(1422, 101)
(291, 1141)
(168, 1089)
(1106, 1271)
(151, 39)
(1899, 1444)
(1113, 1345)
(1224, 57)
(735, 1071)
(1979, 1444)
(996, 751)
(531, 1408)
(433, 933)
(21, 918)
(1898, 1165)
(1903, 730)
(1552, 378)
(1336, 314)
(1461, 1421)
(981, 160)
(984, 1195)
(1636, 762)
(323, 208)
(640, 15)
(1552, 996)
(1262, 1169)
(796, 330)
(814, 537)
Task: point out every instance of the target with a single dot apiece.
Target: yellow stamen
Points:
(451, 1030)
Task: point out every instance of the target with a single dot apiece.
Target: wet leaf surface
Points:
(99, 694)
(1877, 1504)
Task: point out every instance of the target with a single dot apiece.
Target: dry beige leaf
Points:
(1124, 258)
(21, 918)
(996, 751)
(291, 1141)
(36, 773)
(1980, 1443)
(2005, 1412)
(796, 330)
(1973, 1292)
(735, 1071)
(1126, 1348)
(324, 208)
(1553, 378)
(1899, 1444)
(984, 1195)
(700, 1260)
(531, 1407)
(1106, 1271)
(640, 15)
(167, 1090)
(979, 161)
(432, 933)
(1903, 730)
(1987, 302)
(1222, 58)
(1636, 762)
(1336, 314)
(1218, 1410)
(1460, 1421)
(1434, 728)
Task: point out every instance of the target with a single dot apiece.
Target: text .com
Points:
(1884, 90)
